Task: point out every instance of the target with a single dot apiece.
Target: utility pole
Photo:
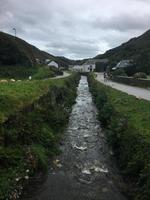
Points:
(14, 29)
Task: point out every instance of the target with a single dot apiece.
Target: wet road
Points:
(65, 74)
(85, 169)
(138, 92)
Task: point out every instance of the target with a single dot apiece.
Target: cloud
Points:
(124, 22)
(76, 29)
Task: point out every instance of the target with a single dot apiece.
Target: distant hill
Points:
(17, 52)
(137, 49)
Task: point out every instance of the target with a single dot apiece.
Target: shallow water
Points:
(85, 169)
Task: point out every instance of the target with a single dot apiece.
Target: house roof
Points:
(47, 61)
(123, 63)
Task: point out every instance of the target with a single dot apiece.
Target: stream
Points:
(85, 168)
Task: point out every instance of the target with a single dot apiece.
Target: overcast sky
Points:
(75, 28)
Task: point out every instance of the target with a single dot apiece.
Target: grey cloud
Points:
(75, 28)
(124, 22)
(80, 48)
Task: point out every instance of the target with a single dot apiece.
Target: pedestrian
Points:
(105, 76)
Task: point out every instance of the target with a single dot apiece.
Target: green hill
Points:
(16, 52)
(137, 49)
(19, 59)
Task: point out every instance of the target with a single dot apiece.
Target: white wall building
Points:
(123, 64)
(53, 64)
(88, 66)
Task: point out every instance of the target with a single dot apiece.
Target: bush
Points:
(140, 75)
(119, 72)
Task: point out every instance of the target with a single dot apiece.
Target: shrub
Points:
(140, 75)
(119, 72)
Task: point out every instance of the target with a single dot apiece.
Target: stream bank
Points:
(85, 168)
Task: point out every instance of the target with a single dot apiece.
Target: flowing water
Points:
(85, 169)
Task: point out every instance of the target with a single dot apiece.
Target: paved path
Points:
(65, 74)
(135, 91)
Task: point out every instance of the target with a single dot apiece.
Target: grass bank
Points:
(33, 117)
(126, 123)
(22, 72)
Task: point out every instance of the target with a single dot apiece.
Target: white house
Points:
(95, 64)
(123, 64)
(88, 66)
(53, 63)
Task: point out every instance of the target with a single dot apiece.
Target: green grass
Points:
(43, 73)
(136, 110)
(125, 120)
(20, 72)
(16, 95)
(30, 137)
(17, 72)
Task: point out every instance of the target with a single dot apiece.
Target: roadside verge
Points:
(126, 122)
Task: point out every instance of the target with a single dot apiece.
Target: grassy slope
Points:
(16, 95)
(19, 72)
(129, 49)
(127, 122)
(31, 137)
(136, 110)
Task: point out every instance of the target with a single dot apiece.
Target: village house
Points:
(123, 64)
(51, 63)
(98, 65)
(90, 65)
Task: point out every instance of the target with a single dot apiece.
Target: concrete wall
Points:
(132, 81)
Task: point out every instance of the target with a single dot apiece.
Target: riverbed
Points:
(85, 168)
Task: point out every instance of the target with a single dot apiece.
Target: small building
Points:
(89, 66)
(51, 63)
(101, 64)
(98, 65)
(123, 64)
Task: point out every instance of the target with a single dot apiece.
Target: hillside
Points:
(17, 52)
(19, 59)
(137, 49)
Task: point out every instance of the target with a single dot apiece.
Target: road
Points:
(135, 91)
(65, 74)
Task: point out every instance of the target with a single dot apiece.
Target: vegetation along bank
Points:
(125, 120)
(33, 115)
